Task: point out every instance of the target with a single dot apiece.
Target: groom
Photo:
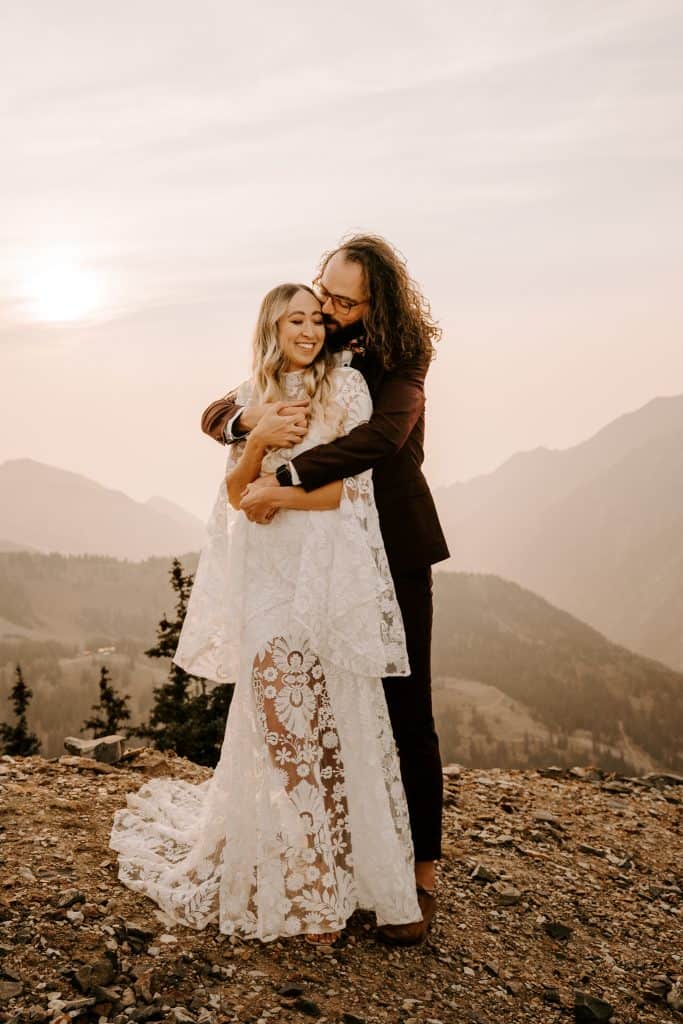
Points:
(381, 324)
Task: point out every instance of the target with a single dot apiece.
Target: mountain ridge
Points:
(544, 524)
(47, 508)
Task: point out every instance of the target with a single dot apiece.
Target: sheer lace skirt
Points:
(305, 816)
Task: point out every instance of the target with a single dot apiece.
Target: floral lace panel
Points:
(297, 719)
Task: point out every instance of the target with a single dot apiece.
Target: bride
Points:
(305, 817)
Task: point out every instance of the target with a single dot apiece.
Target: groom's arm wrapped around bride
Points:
(391, 443)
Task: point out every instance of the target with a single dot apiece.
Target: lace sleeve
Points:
(361, 525)
(208, 646)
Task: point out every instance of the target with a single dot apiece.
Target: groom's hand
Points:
(260, 503)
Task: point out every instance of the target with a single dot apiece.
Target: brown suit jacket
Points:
(391, 443)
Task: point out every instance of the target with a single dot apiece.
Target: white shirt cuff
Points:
(296, 479)
(230, 438)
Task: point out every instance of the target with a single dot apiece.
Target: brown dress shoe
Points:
(416, 932)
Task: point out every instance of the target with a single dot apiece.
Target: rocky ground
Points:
(559, 899)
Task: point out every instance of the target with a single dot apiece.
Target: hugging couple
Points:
(314, 593)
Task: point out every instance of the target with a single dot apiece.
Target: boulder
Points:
(107, 749)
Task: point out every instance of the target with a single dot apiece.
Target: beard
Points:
(339, 336)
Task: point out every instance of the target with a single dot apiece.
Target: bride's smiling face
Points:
(301, 331)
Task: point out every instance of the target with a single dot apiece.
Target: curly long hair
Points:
(268, 362)
(399, 323)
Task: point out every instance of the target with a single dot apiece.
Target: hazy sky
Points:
(167, 163)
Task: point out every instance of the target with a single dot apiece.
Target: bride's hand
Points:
(281, 425)
(260, 504)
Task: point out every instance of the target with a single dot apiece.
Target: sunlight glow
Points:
(59, 288)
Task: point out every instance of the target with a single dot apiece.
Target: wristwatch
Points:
(283, 475)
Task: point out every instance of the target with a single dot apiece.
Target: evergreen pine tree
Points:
(16, 739)
(111, 710)
(184, 717)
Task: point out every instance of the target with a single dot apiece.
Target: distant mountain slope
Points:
(481, 725)
(597, 528)
(569, 676)
(10, 545)
(50, 509)
(175, 512)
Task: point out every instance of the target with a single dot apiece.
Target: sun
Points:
(59, 288)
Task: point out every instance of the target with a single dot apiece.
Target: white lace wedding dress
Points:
(304, 818)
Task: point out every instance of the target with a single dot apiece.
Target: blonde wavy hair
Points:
(268, 362)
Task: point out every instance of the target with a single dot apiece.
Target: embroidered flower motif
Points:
(288, 659)
(295, 707)
(295, 881)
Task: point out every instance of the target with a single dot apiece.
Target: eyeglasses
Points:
(340, 302)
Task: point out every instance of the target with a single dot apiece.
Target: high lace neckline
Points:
(292, 382)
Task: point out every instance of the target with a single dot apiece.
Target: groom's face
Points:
(343, 293)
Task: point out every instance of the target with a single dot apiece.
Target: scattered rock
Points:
(145, 984)
(548, 818)
(78, 1004)
(507, 894)
(307, 1006)
(138, 934)
(551, 995)
(592, 851)
(181, 1015)
(98, 972)
(556, 930)
(614, 786)
(69, 897)
(588, 1008)
(503, 840)
(482, 873)
(106, 749)
(290, 990)
(10, 990)
(675, 996)
(666, 778)
(86, 764)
